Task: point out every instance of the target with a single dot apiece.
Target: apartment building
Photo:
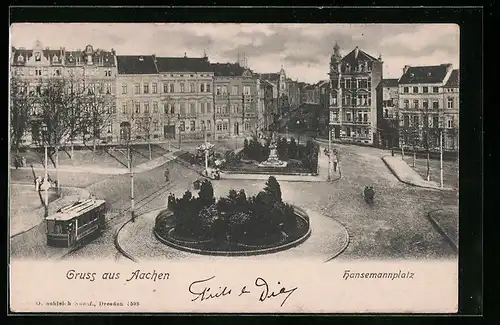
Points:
(354, 87)
(139, 116)
(428, 103)
(93, 71)
(186, 95)
(389, 122)
(236, 100)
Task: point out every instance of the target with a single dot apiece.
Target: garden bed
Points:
(232, 225)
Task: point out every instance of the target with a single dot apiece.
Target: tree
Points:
(206, 193)
(21, 105)
(273, 189)
(99, 107)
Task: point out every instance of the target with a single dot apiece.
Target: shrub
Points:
(206, 193)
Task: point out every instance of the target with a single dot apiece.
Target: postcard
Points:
(233, 168)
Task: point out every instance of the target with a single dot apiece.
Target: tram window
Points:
(51, 226)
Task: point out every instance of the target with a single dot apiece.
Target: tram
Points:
(72, 224)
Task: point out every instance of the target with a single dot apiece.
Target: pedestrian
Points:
(335, 162)
(23, 161)
(16, 162)
(37, 183)
(167, 175)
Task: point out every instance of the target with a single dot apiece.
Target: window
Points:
(58, 72)
(435, 89)
(165, 88)
(415, 104)
(183, 109)
(182, 126)
(425, 104)
(415, 90)
(182, 87)
(435, 104)
(224, 90)
(435, 121)
(450, 123)
(406, 120)
(146, 107)
(348, 83)
(38, 72)
(218, 91)
(137, 89)
(202, 87)
(154, 88)
(146, 88)
(209, 108)
(360, 117)
(193, 126)
(138, 125)
(224, 126)
(172, 108)
(124, 108)
(192, 108)
(219, 126)
(124, 88)
(348, 117)
(425, 90)
(450, 102)
(110, 127)
(38, 90)
(155, 107)
(155, 125)
(342, 83)
(208, 88)
(405, 90)
(191, 88)
(415, 120)
(209, 125)
(172, 88)
(202, 108)
(425, 121)
(365, 117)
(234, 90)
(137, 107)
(246, 90)
(166, 108)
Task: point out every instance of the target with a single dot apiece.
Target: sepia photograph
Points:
(169, 150)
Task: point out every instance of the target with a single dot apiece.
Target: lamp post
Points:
(46, 173)
(179, 118)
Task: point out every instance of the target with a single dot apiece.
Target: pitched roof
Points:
(182, 64)
(270, 76)
(136, 64)
(362, 56)
(454, 79)
(425, 74)
(389, 82)
(227, 69)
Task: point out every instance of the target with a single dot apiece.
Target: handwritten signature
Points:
(202, 291)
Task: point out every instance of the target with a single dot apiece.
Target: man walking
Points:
(335, 161)
(167, 174)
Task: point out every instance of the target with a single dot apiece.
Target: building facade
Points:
(236, 100)
(91, 71)
(428, 106)
(186, 96)
(389, 137)
(354, 87)
(139, 117)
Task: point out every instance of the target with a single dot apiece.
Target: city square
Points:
(135, 129)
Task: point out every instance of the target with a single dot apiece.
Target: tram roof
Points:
(74, 210)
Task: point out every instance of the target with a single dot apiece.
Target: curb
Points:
(412, 184)
(117, 242)
(346, 242)
(438, 227)
(254, 252)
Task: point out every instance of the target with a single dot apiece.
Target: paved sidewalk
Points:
(321, 177)
(95, 169)
(328, 239)
(407, 175)
(446, 222)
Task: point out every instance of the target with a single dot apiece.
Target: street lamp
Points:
(179, 119)
(46, 174)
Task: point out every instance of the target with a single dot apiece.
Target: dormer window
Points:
(412, 75)
(55, 59)
(20, 58)
(38, 57)
(141, 58)
(428, 74)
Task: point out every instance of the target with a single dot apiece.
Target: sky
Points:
(303, 50)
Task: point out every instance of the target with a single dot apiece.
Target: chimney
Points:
(405, 69)
(356, 52)
(185, 55)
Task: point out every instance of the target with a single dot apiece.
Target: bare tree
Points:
(21, 105)
(99, 108)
